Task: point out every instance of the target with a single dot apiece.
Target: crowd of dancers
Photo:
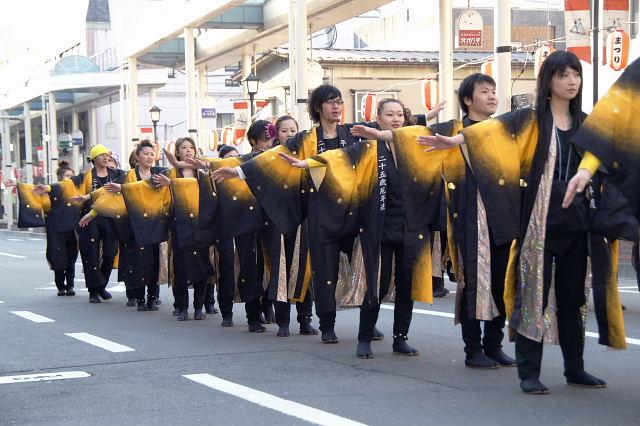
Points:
(523, 210)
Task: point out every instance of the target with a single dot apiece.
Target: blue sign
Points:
(208, 113)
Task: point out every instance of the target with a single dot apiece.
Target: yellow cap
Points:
(98, 150)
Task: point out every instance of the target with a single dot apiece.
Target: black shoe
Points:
(70, 291)
(533, 387)
(501, 358)
(93, 298)
(329, 337)
(269, 314)
(377, 334)
(131, 301)
(364, 350)
(199, 315)
(175, 312)
(440, 292)
(142, 307)
(283, 331)
(480, 360)
(227, 321)
(158, 302)
(400, 347)
(585, 380)
(210, 309)
(183, 315)
(105, 294)
(152, 304)
(62, 292)
(261, 319)
(256, 327)
(306, 329)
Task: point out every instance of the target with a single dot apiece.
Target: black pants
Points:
(226, 284)
(181, 294)
(493, 330)
(251, 274)
(152, 290)
(403, 308)
(69, 272)
(570, 274)
(98, 249)
(325, 259)
(210, 294)
(304, 309)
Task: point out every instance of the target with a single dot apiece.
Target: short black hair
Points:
(318, 96)
(257, 131)
(145, 143)
(468, 85)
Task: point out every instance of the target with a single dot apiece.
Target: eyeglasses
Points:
(334, 102)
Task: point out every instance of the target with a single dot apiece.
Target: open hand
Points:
(576, 185)
(86, 219)
(440, 142)
(160, 180)
(224, 173)
(113, 187)
(300, 164)
(365, 132)
(195, 163)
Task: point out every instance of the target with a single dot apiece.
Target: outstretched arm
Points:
(372, 133)
(440, 142)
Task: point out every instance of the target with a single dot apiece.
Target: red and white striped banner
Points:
(577, 26)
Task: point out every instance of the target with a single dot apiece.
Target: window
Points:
(224, 119)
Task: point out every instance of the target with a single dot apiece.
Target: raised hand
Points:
(195, 163)
(576, 185)
(160, 180)
(224, 173)
(113, 187)
(440, 142)
(300, 164)
(432, 113)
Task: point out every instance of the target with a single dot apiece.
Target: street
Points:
(82, 364)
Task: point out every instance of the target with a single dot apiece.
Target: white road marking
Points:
(36, 239)
(629, 340)
(15, 239)
(24, 378)
(631, 286)
(630, 291)
(12, 255)
(31, 316)
(116, 288)
(304, 412)
(100, 342)
(1, 301)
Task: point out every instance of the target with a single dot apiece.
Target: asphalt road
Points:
(149, 369)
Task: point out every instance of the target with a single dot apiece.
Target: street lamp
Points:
(154, 112)
(251, 84)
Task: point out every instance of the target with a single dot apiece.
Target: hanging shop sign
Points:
(469, 29)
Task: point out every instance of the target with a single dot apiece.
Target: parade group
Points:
(523, 210)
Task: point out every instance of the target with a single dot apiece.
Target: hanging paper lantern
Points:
(617, 49)
(429, 92)
(369, 106)
(540, 55)
(487, 67)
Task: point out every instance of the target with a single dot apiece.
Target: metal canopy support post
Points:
(75, 149)
(190, 71)
(502, 64)
(7, 200)
(301, 92)
(445, 59)
(53, 136)
(28, 145)
(134, 118)
(122, 105)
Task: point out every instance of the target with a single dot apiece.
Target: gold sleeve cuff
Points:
(590, 162)
(311, 163)
(93, 213)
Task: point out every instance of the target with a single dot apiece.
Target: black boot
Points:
(283, 331)
(59, 280)
(533, 386)
(199, 315)
(210, 308)
(261, 318)
(70, 290)
(479, 360)
(501, 358)
(131, 301)
(377, 334)
(256, 327)
(152, 304)
(93, 297)
(400, 346)
(306, 329)
(142, 307)
(329, 336)
(269, 314)
(183, 315)
(104, 294)
(585, 380)
(438, 287)
(227, 320)
(364, 351)
(62, 292)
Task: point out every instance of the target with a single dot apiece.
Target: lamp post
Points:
(251, 84)
(287, 93)
(154, 113)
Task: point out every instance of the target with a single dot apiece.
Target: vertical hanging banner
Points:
(615, 16)
(241, 120)
(577, 27)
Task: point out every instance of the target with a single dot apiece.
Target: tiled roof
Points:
(386, 56)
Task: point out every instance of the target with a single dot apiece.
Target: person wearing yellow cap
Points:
(98, 242)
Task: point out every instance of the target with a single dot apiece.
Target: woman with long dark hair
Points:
(523, 161)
